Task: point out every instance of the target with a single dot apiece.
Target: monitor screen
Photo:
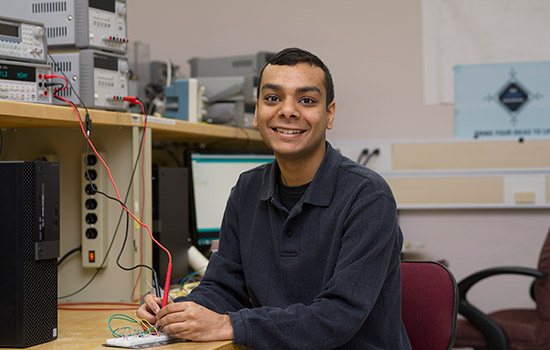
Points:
(212, 177)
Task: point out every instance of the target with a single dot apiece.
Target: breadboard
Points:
(141, 342)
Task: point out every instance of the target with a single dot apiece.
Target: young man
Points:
(309, 245)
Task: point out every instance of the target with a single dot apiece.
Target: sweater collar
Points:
(322, 187)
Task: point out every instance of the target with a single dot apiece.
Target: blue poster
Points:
(503, 100)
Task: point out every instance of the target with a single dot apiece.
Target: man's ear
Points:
(331, 109)
(255, 120)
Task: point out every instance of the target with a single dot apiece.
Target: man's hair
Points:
(291, 57)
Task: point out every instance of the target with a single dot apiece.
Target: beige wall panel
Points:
(449, 190)
(471, 155)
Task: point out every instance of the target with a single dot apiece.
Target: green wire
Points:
(123, 317)
(183, 280)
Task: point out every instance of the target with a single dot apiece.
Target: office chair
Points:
(429, 304)
(515, 329)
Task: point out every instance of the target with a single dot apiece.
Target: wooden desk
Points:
(88, 330)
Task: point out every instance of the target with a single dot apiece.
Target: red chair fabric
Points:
(429, 304)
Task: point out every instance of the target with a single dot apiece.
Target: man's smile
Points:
(288, 131)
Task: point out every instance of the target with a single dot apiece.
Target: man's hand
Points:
(149, 309)
(194, 322)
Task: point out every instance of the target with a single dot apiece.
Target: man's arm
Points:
(203, 315)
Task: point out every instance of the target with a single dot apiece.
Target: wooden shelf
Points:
(33, 115)
(165, 129)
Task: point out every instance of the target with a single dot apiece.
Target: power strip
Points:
(141, 341)
(94, 212)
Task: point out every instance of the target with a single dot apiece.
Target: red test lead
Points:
(132, 99)
(51, 76)
(135, 100)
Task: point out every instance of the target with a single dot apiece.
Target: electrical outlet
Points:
(94, 212)
(375, 155)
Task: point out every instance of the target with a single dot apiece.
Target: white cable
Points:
(196, 260)
(168, 73)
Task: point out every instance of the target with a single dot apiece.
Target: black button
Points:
(289, 233)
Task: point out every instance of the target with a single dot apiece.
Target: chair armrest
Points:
(469, 281)
(494, 334)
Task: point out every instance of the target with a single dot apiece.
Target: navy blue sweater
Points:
(325, 275)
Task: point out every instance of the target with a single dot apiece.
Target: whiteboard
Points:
(457, 32)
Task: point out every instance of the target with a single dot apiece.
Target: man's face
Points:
(291, 111)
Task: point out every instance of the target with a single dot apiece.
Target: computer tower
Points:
(29, 248)
(171, 220)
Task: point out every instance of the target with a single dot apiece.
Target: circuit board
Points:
(141, 341)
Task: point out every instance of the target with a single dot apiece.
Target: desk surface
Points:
(88, 330)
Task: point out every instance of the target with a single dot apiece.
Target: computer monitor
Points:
(213, 175)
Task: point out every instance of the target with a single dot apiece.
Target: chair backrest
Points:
(429, 304)
(542, 285)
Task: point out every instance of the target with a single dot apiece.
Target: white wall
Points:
(458, 32)
(374, 51)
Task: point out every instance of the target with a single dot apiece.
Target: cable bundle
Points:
(86, 133)
(145, 329)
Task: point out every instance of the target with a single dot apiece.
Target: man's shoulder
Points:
(259, 171)
(357, 173)
(255, 175)
(358, 183)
